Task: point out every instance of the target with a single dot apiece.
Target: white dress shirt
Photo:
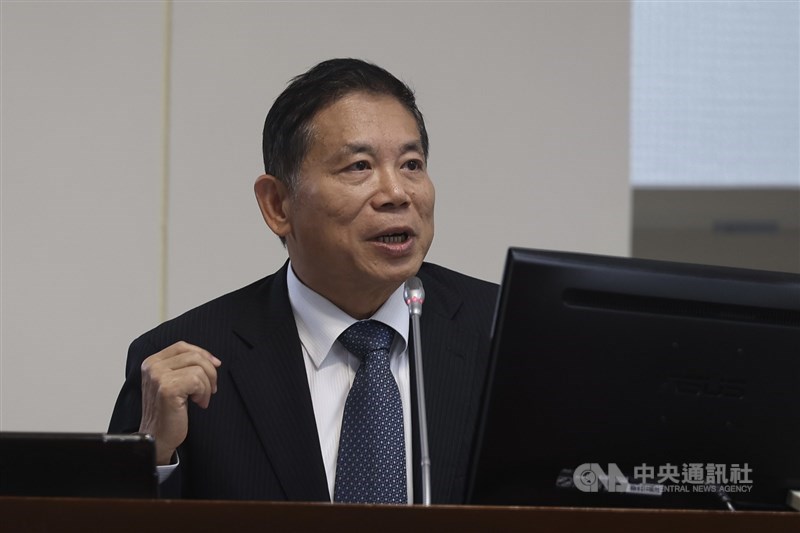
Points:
(330, 368)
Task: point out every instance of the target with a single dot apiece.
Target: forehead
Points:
(363, 117)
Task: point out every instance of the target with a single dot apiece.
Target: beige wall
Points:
(526, 106)
(80, 170)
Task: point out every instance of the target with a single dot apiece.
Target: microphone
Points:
(414, 295)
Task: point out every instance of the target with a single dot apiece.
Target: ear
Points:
(274, 201)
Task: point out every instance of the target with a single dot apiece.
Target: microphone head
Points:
(414, 295)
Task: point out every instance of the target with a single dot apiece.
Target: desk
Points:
(28, 515)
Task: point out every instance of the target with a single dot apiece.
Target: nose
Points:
(391, 190)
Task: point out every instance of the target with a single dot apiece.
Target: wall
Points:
(526, 106)
(746, 228)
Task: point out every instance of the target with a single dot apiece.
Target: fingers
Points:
(184, 368)
(174, 387)
(180, 348)
(170, 378)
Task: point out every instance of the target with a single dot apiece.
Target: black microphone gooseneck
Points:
(414, 296)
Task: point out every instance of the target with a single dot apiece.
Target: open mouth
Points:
(393, 238)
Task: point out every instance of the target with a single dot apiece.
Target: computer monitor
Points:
(636, 383)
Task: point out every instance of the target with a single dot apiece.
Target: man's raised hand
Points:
(170, 378)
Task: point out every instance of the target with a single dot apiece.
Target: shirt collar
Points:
(320, 322)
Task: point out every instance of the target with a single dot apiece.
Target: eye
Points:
(413, 164)
(359, 166)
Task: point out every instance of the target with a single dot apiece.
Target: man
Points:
(346, 189)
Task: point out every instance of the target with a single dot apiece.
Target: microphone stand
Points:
(414, 296)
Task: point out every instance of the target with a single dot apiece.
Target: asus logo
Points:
(710, 387)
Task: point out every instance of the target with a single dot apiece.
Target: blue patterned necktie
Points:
(371, 467)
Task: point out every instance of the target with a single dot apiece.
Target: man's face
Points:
(361, 217)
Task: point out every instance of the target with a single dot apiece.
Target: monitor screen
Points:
(635, 383)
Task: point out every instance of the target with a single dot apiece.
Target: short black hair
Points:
(287, 129)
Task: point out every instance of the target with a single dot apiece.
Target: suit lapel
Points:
(271, 379)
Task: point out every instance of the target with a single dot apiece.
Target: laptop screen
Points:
(77, 464)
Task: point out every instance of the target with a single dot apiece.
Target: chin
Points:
(393, 274)
(401, 275)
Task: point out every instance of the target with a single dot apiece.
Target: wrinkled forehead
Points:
(351, 115)
(363, 123)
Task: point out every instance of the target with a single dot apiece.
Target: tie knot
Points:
(367, 336)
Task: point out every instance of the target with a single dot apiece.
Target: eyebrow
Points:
(412, 146)
(362, 148)
(357, 148)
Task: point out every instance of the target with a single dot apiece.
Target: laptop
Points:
(94, 465)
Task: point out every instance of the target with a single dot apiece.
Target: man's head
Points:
(287, 128)
(347, 187)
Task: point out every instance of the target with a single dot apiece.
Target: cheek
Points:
(424, 198)
(337, 211)
(323, 207)
(338, 204)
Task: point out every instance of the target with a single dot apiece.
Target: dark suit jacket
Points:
(258, 438)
